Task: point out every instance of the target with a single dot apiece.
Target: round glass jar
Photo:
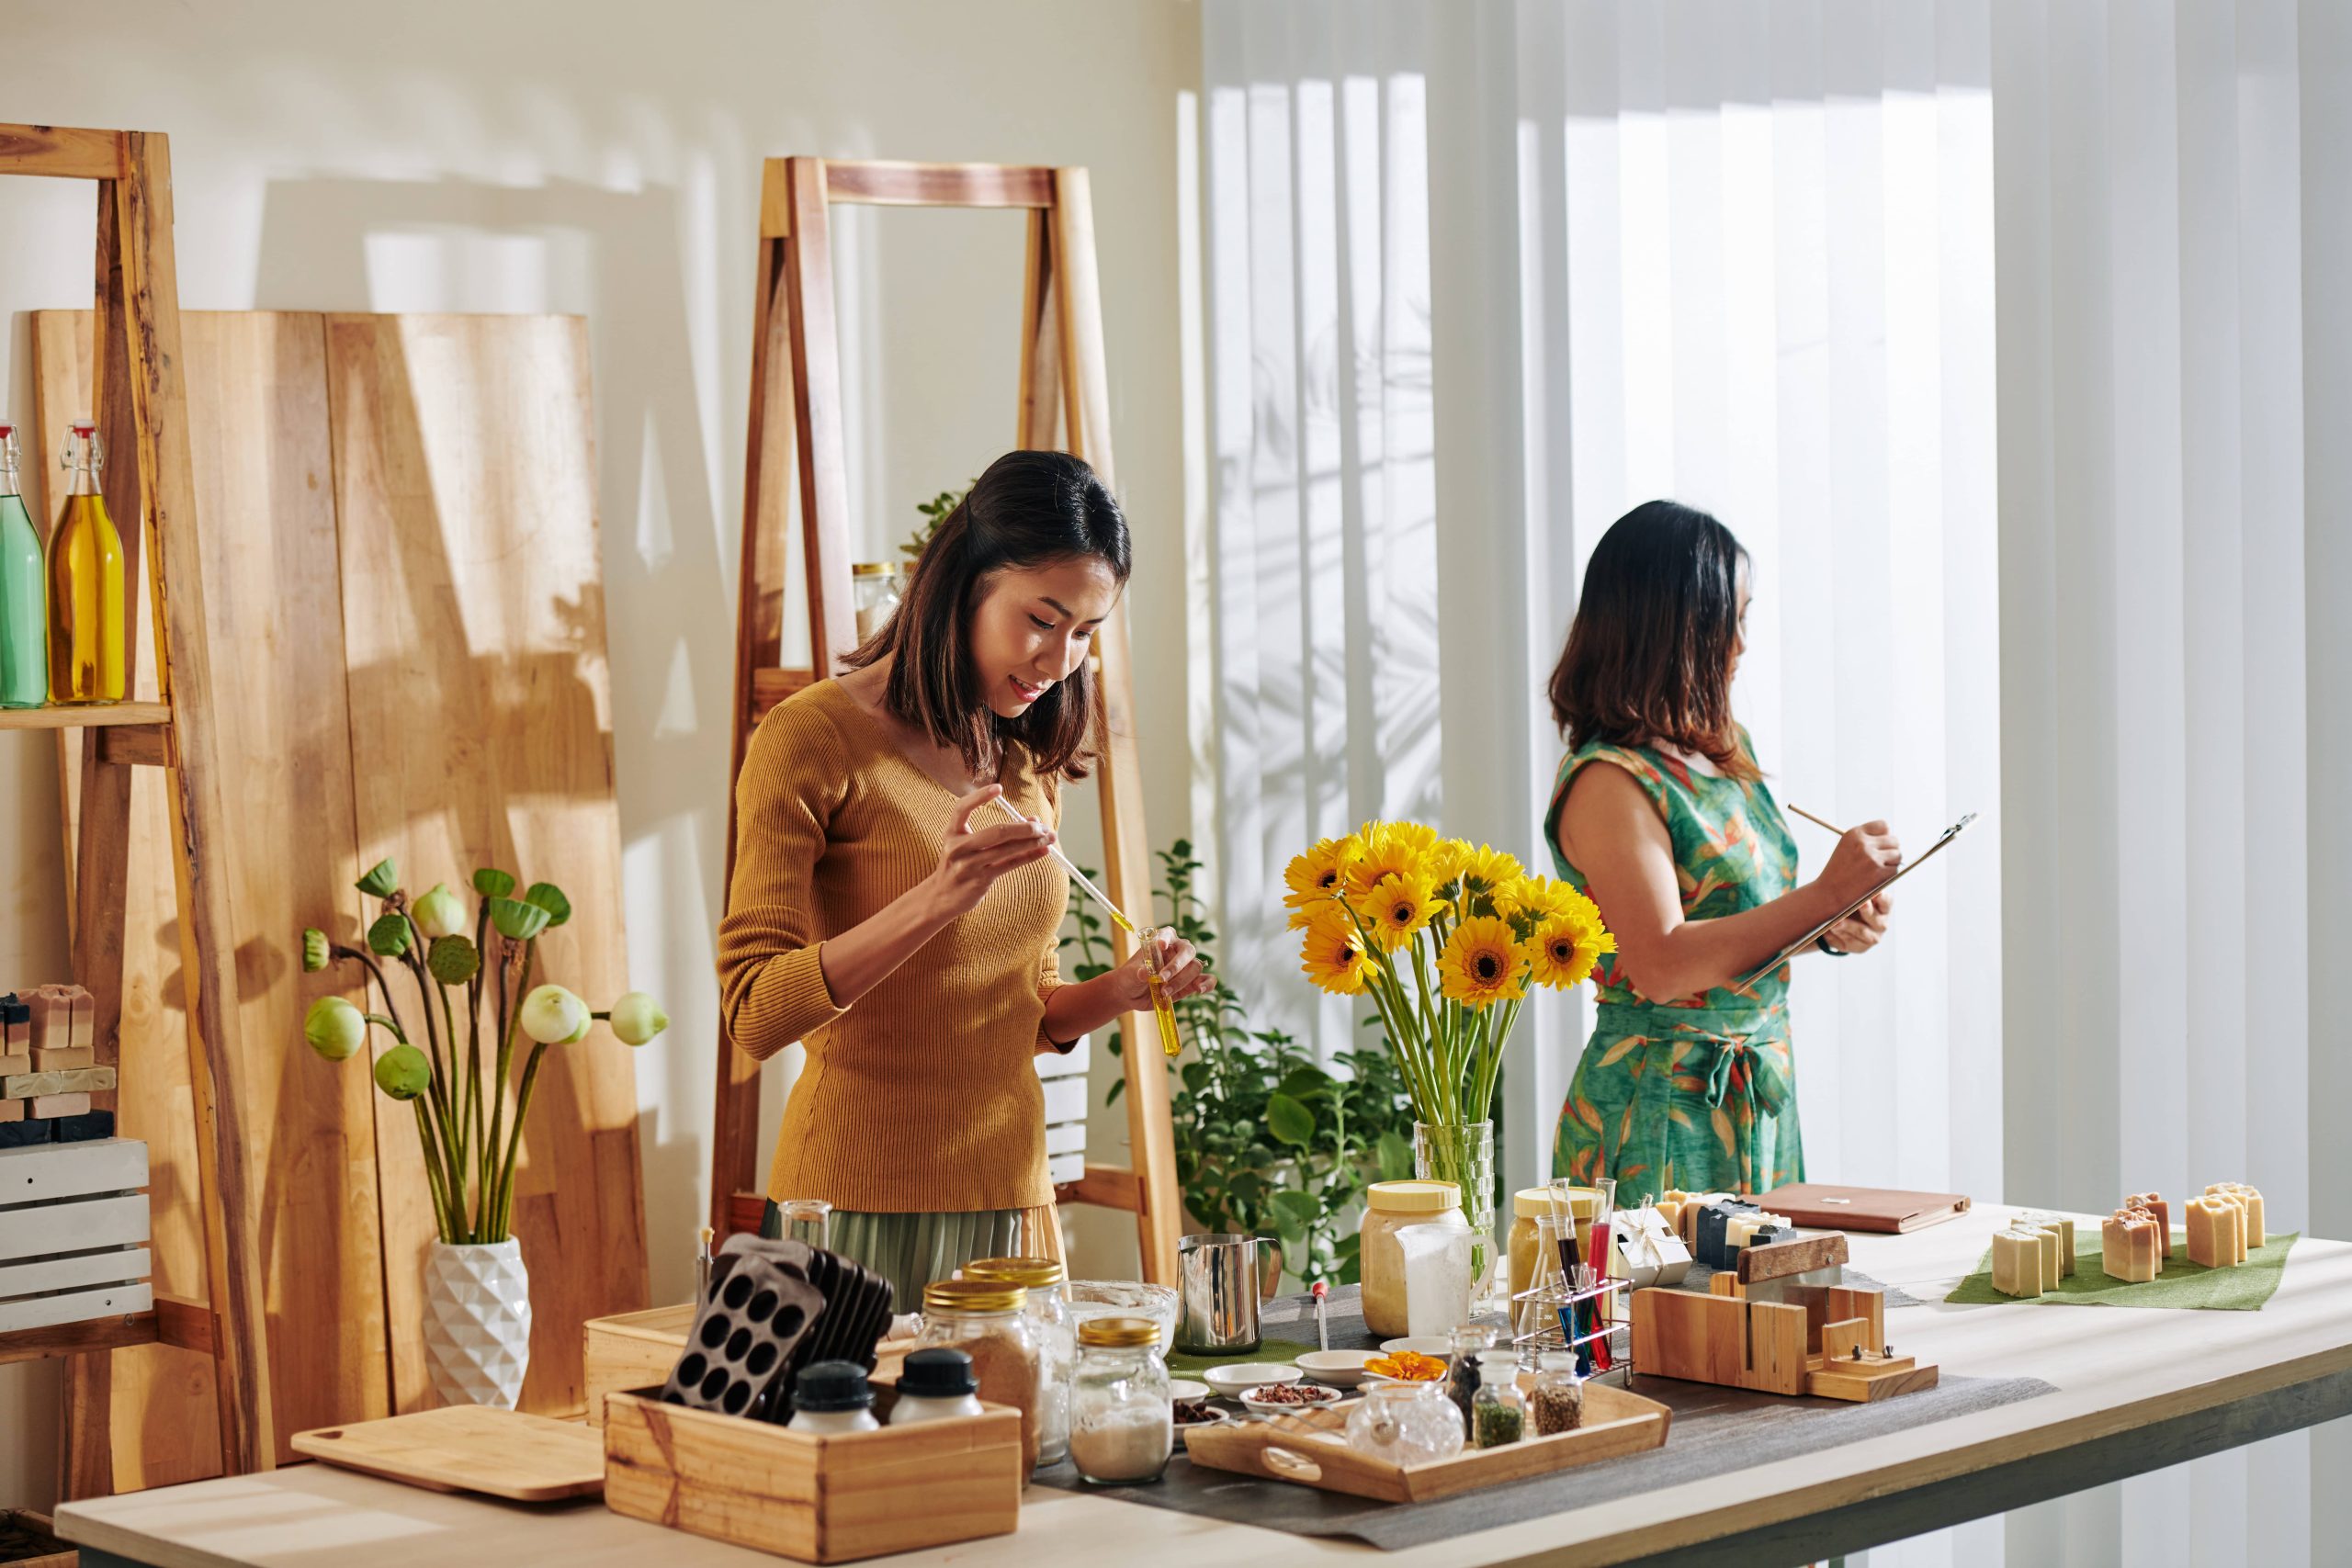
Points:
(1404, 1423)
(1049, 1318)
(1528, 1206)
(876, 587)
(1390, 1206)
(1122, 1422)
(990, 1322)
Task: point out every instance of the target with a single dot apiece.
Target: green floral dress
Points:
(1698, 1094)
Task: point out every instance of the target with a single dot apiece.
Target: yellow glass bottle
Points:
(85, 659)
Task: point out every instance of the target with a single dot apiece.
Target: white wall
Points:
(606, 161)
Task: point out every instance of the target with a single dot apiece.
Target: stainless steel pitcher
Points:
(1217, 1282)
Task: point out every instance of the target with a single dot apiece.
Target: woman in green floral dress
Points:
(1687, 1082)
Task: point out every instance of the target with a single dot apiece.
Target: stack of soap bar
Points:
(2023, 1261)
(2153, 1204)
(46, 1066)
(2216, 1231)
(16, 1036)
(2128, 1246)
(2061, 1227)
(1670, 1208)
(2250, 1200)
(1714, 1222)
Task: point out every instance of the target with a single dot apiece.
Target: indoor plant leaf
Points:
(492, 883)
(1289, 1121)
(1304, 1083)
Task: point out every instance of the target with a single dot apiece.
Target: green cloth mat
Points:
(2182, 1284)
(1282, 1352)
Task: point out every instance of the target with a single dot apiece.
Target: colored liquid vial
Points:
(24, 616)
(86, 659)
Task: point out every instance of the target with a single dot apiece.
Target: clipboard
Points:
(1814, 935)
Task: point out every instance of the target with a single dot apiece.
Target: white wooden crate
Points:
(1065, 1078)
(72, 1228)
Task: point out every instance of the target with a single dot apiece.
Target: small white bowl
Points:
(1256, 1403)
(1217, 1418)
(1235, 1377)
(1185, 1388)
(1338, 1369)
(1420, 1344)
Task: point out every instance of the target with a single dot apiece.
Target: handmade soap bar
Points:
(80, 1080)
(63, 1061)
(32, 1130)
(1669, 1209)
(2017, 1255)
(81, 1129)
(2128, 1246)
(16, 1026)
(2060, 1226)
(2154, 1205)
(11, 1109)
(2251, 1202)
(52, 1020)
(60, 1104)
(1714, 1220)
(2216, 1231)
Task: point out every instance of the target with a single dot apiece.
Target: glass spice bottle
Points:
(1122, 1425)
(1050, 1322)
(1463, 1347)
(1499, 1413)
(1558, 1402)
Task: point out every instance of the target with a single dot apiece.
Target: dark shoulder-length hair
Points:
(1030, 509)
(1648, 657)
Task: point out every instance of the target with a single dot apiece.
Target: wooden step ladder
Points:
(141, 406)
(796, 366)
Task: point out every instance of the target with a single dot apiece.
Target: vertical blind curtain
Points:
(1322, 530)
(2173, 210)
(1815, 265)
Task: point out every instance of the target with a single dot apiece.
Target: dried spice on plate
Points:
(1407, 1366)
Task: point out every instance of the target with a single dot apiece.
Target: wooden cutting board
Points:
(470, 1448)
(1824, 1207)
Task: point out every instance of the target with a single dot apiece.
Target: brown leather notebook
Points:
(1824, 1207)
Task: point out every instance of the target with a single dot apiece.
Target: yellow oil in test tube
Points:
(1162, 1008)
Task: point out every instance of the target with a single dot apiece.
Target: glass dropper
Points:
(1163, 1011)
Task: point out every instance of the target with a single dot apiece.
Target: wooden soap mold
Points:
(1312, 1449)
(814, 1499)
(1726, 1338)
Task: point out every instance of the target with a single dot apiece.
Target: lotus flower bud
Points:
(637, 1018)
(314, 950)
(439, 912)
(403, 1073)
(335, 1028)
(553, 1016)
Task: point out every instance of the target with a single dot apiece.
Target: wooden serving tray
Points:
(468, 1448)
(1312, 1449)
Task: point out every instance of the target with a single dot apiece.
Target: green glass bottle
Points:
(24, 616)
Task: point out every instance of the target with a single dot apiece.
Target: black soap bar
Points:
(30, 1131)
(88, 1127)
(1711, 1219)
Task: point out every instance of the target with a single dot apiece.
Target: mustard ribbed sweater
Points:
(924, 1095)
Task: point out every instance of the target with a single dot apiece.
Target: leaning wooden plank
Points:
(46, 1228)
(465, 482)
(75, 1306)
(48, 1171)
(117, 1267)
(263, 478)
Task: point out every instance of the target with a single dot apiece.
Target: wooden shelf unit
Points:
(140, 405)
(1064, 399)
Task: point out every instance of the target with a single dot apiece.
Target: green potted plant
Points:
(1269, 1140)
(478, 1305)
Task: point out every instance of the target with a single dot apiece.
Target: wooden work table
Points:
(2138, 1390)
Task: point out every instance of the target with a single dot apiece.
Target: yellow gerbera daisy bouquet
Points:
(1445, 937)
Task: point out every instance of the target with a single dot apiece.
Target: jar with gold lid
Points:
(1122, 1418)
(990, 1322)
(1389, 1207)
(1528, 1206)
(1043, 1278)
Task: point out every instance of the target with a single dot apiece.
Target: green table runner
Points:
(2243, 1288)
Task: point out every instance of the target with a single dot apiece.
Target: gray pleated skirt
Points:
(911, 1250)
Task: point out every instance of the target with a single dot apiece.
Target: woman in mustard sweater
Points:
(884, 913)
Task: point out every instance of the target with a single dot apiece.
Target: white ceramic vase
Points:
(477, 1322)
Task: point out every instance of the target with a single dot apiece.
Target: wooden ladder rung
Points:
(61, 152)
(138, 745)
(1108, 1186)
(770, 687)
(75, 1339)
(185, 1325)
(109, 714)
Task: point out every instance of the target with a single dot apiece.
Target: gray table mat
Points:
(1714, 1430)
